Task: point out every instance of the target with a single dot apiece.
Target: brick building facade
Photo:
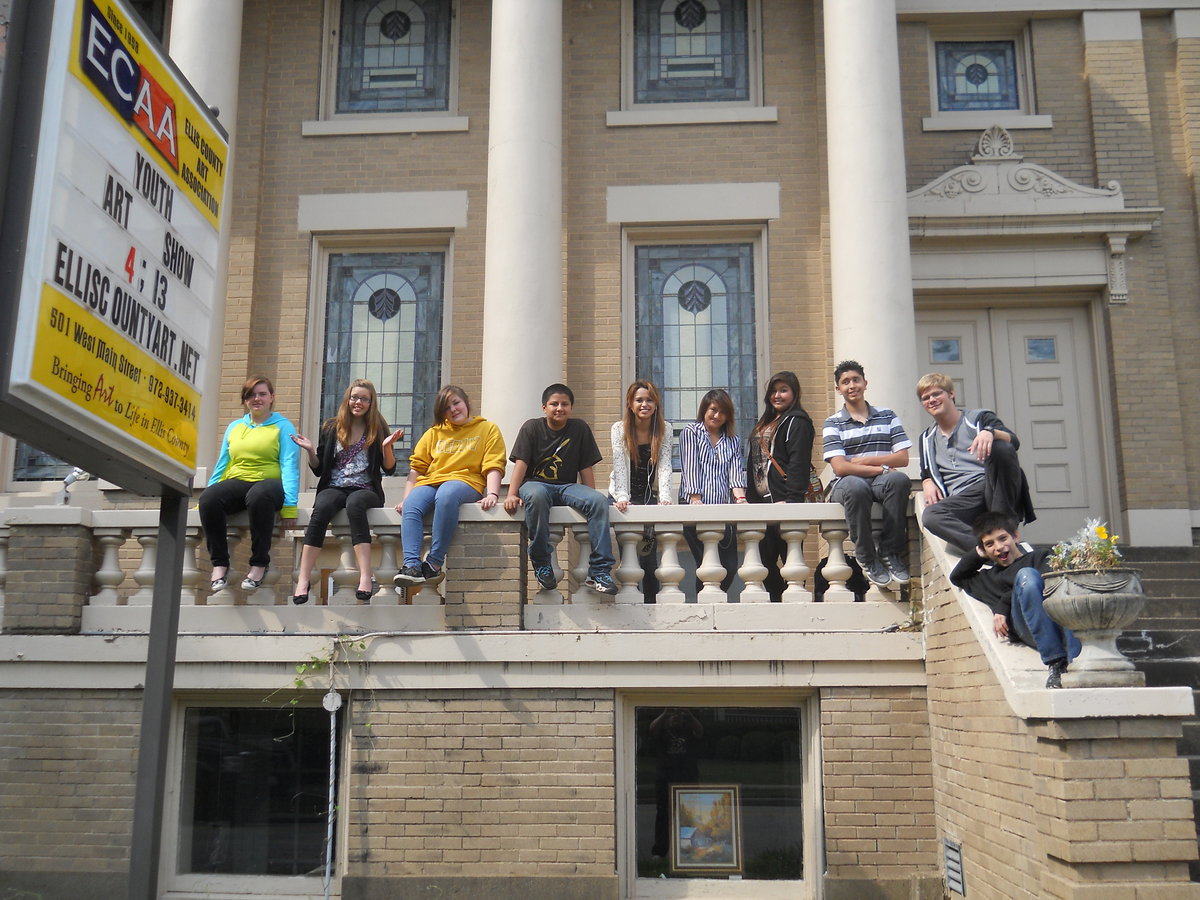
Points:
(531, 180)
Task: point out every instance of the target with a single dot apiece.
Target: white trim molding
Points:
(676, 203)
(400, 211)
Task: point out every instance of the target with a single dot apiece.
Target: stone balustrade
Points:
(485, 563)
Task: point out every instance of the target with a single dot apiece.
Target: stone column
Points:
(523, 279)
(206, 43)
(871, 271)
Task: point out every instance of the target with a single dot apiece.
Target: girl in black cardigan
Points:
(354, 453)
(778, 465)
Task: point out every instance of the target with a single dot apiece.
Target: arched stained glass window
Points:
(383, 321)
(394, 56)
(690, 51)
(694, 315)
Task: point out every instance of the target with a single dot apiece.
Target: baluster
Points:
(143, 576)
(669, 571)
(345, 576)
(579, 574)
(629, 572)
(709, 570)
(553, 596)
(753, 571)
(190, 593)
(389, 541)
(837, 570)
(794, 569)
(109, 576)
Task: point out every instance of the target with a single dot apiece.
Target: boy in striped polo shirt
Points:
(866, 446)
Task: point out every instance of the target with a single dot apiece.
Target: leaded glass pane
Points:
(394, 56)
(694, 310)
(977, 75)
(690, 51)
(757, 749)
(383, 322)
(32, 464)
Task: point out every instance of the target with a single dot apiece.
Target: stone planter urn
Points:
(1097, 605)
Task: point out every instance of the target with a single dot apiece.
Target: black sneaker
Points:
(545, 577)
(409, 576)
(896, 567)
(601, 584)
(1054, 679)
(432, 576)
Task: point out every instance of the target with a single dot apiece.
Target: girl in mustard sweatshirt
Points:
(459, 460)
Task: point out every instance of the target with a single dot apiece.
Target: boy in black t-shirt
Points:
(550, 456)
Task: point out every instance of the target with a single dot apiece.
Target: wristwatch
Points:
(886, 468)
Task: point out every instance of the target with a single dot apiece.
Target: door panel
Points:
(960, 345)
(1035, 368)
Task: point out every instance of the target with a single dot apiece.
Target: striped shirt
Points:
(882, 433)
(710, 471)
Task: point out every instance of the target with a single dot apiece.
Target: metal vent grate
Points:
(954, 868)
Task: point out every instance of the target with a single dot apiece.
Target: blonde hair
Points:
(935, 380)
(375, 428)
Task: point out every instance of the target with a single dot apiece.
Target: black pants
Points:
(356, 501)
(261, 499)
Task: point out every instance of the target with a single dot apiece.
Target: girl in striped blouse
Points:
(710, 456)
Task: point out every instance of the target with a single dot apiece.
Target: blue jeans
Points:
(444, 499)
(538, 497)
(1033, 626)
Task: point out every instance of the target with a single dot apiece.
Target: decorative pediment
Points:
(984, 224)
(998, 182)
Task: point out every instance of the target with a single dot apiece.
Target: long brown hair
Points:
(769, 415)
(375, 427)
(658, 425)
(441, 406)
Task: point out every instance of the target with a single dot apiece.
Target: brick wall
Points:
(67, 766)
(49, 579)
(486, 576)
(1085, 809)
(458, 788)
(879, 822)
(1173, 79)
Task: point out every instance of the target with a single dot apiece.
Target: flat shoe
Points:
(218, 584)
(300, 599)
(363, 596)
(249, 584)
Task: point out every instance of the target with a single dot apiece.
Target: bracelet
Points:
(739, 499)
(493, 494)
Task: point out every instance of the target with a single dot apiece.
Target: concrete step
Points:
(1138, 555)
(1160, 644)
(1183, 672)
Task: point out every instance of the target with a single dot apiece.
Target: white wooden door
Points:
(1034, 367)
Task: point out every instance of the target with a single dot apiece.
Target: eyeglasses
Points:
(366, 400)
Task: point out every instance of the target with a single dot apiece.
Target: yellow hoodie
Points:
(466, 452)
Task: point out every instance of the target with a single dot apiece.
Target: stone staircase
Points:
(1165, 640)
